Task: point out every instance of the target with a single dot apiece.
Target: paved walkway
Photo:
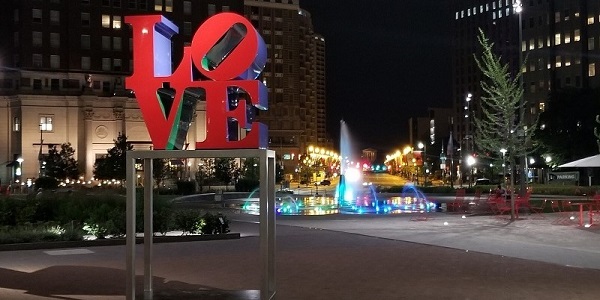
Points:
(338, 257)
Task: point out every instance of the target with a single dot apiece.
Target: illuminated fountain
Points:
(349, 174)
(350, 197)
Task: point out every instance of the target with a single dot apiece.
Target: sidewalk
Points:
(352, 257)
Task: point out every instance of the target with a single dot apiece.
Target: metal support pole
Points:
(130, 230)
(148, 227)
(523, 158)
(267, 226)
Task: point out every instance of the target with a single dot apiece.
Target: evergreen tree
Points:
(499, 126)
(61, 164)
(112, 165)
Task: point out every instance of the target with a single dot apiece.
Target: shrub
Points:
(188, 221)
(38, 233)
(215, 224)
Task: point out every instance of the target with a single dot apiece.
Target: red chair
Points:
(538, 211)
(459, 204)
(498, 205)
(565, 212)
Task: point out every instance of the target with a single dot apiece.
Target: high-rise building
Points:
(295, 77)
(64, 64)
(558, 40)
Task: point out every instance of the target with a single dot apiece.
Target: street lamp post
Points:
(518, 8)
(471, 162)
(467, 127)
(19, 170)
(423, 146)
(503, 151)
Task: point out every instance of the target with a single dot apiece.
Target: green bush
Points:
(215, 224)
(38, 233)
(189, 221)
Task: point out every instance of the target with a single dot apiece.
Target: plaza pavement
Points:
(443, 256)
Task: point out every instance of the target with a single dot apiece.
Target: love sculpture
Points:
(220, 66)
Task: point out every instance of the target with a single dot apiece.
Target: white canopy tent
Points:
(588, 162)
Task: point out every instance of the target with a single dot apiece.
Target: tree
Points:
(499, 126)
(250, 169)
(61, 164)
(160, 169)
(112, 165)
(225, 168)
(205, 172)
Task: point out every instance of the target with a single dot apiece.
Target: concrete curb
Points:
(116, 242)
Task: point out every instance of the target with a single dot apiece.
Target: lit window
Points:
(557, 39)
(576, 35)
(106, 21)
(590, 20)
(592, 70)
(169, 5)
(567, 38)
(157, 5)
(540, 43)
(542, 106)
(558, 63)
(567, 61)
(116, 22)
(16, 124)
(531, 44)
(46, 123)
(523, 46)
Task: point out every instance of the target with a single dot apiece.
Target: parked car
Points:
(482, 181)
(325, 182)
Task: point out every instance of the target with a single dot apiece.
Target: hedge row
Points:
(71, 215)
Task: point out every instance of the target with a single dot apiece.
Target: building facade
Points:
(295, 77)
(64, 68)
(558, 41)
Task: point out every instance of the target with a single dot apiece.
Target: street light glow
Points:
(518, 6)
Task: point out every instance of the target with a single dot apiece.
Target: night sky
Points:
(387, 61)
